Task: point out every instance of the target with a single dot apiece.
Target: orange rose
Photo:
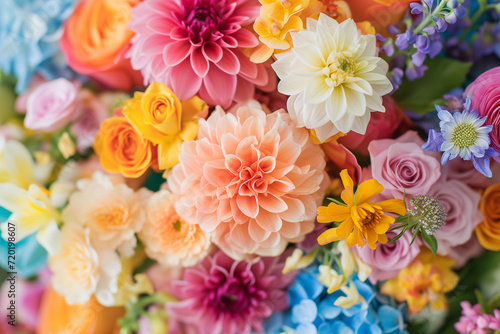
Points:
(90, 318)
(488, 231)
(122, 149)
(96, 38)
(380, 13)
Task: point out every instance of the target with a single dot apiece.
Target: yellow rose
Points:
(488, 231)
(159, 116)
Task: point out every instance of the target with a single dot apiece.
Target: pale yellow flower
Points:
(330, 278)
(66, 146)
(298, 261)
(352, 296)
(32, 212)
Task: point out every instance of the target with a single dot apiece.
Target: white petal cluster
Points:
(334, 77)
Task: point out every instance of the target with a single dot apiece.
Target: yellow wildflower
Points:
(360, 219)
(424, 281)
(66, 145)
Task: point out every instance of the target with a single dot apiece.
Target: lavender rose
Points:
(388, 259)
(51, 105)
(401, 165)
(461, 204)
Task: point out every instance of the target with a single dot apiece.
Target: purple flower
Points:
(401, 42)
(460, 11)
(416, 8)
(415, 72)
(441, 24)
(463, 134)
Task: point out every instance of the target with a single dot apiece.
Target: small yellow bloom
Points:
(360, 219)
(424, 281)
(66, 145)
(330, 278)
(160, 117)
(298, 261)
(352, 296)
(129, 286)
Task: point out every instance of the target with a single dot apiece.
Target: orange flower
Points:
(95, 40)
(360, 219)
(424, 281)
(90, 318)
(122, 149)
(380, 13)
(488, 231)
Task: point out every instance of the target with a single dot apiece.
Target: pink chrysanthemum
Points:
(220, 295)
(196, 48)
(253, 180)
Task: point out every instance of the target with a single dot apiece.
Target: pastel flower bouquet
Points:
(250, 166)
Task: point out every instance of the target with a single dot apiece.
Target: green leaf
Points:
(494, 303)
(397, 237)
(482, 301)
(443, 75)
(430, 240)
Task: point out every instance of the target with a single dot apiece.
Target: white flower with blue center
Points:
(463, 134)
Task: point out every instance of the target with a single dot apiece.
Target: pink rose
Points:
(51, 105)
(464, 170)
(401, 165)
(463, 253)
(485, 95)
(382, 125)
(388, 259)
(461, 204)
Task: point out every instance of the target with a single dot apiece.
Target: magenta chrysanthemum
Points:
(196, 48)
(220, 295)
(252, 180)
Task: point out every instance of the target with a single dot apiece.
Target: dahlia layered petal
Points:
(251, 179)
(334, 77)
(197, 48)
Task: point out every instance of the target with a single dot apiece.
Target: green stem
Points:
(426, 20)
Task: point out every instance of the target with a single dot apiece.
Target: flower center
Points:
(202, 21)
(111, 216)
(368, 219)
(464, 136)
(235, 297)
(340, 69)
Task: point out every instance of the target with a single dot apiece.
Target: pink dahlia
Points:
(197, 47)
(253, 180)
(220, 295)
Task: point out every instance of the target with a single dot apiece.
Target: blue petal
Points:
(305, 312)
(365, 290)
(467, 104)
(328, 310)
(390, 318)
(434, 142)
(491, 152)
(482, 165)
(307, 329)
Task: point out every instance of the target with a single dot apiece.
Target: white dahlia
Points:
(334, 77)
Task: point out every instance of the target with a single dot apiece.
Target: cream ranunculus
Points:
(111, 210)
(79, 270)
(334, 77)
